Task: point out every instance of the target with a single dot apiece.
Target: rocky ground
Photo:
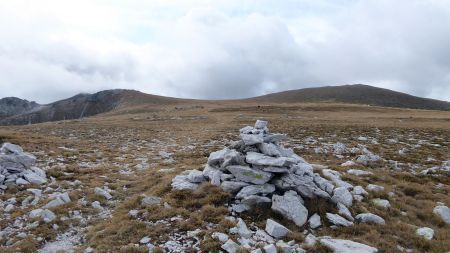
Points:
(107, 184)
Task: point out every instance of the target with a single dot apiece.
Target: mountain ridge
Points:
(16, 111)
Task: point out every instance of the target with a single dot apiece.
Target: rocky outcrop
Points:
(17, 167)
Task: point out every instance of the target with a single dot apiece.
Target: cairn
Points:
(259, 170)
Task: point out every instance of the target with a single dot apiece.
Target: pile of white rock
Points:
(17, 167)
(259, 171)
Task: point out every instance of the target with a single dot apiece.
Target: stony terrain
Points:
(339, 179)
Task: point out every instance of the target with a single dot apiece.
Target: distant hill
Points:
(15, 111)
(76, 107)
(354, 94)
(11, 106)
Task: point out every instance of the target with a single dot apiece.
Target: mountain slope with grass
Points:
(355, 94)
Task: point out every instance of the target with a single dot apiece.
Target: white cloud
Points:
(221, 49)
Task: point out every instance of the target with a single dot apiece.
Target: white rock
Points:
(335, 177)
(195, 176)
(96, 205)
(338, 220)
(9, 208)
(359, 172)
(243, 229)
(369, 218)
(342, 195)
(269, 149)
(314, 221)
(348, 163)
(34, 178)
(359, 190)
(374, 187)
(443, 212)
(252, 139)
(275, 229)
(262, 235)
(45, 214)
(425, 232)
(249, 175)
(381, 203)
(21, 181)
(232, 186)
(133, 213)
(11, 148)
(220, 236)
(145, 240)
(181, 182)
(270, 248)
(59, 200)
(344, 212)
(346, 246)
(264, 160)
(230, 246)
(255, 200)
(150, 200)
(260, 124)
(216, 158)
(310, 240)
(255, 189)
(216, 177)
(290, 205)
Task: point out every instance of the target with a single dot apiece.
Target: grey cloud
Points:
(207, 53)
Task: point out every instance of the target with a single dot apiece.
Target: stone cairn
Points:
(17, 167)
(258, 170)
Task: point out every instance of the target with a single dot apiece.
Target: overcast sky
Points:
(51, 50)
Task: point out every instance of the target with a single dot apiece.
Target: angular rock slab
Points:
(275, 229)
(346, 246)
(369, 218)
(262, 189)
(233, 186)
(290, 205)
(264, 160)
(314, 221)
(338, 220)
(181, 182)
(343, 196)
(249, 175)
(252, 139)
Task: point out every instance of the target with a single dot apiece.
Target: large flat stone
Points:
(261, 159)
(250, 175)
(346, 246)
